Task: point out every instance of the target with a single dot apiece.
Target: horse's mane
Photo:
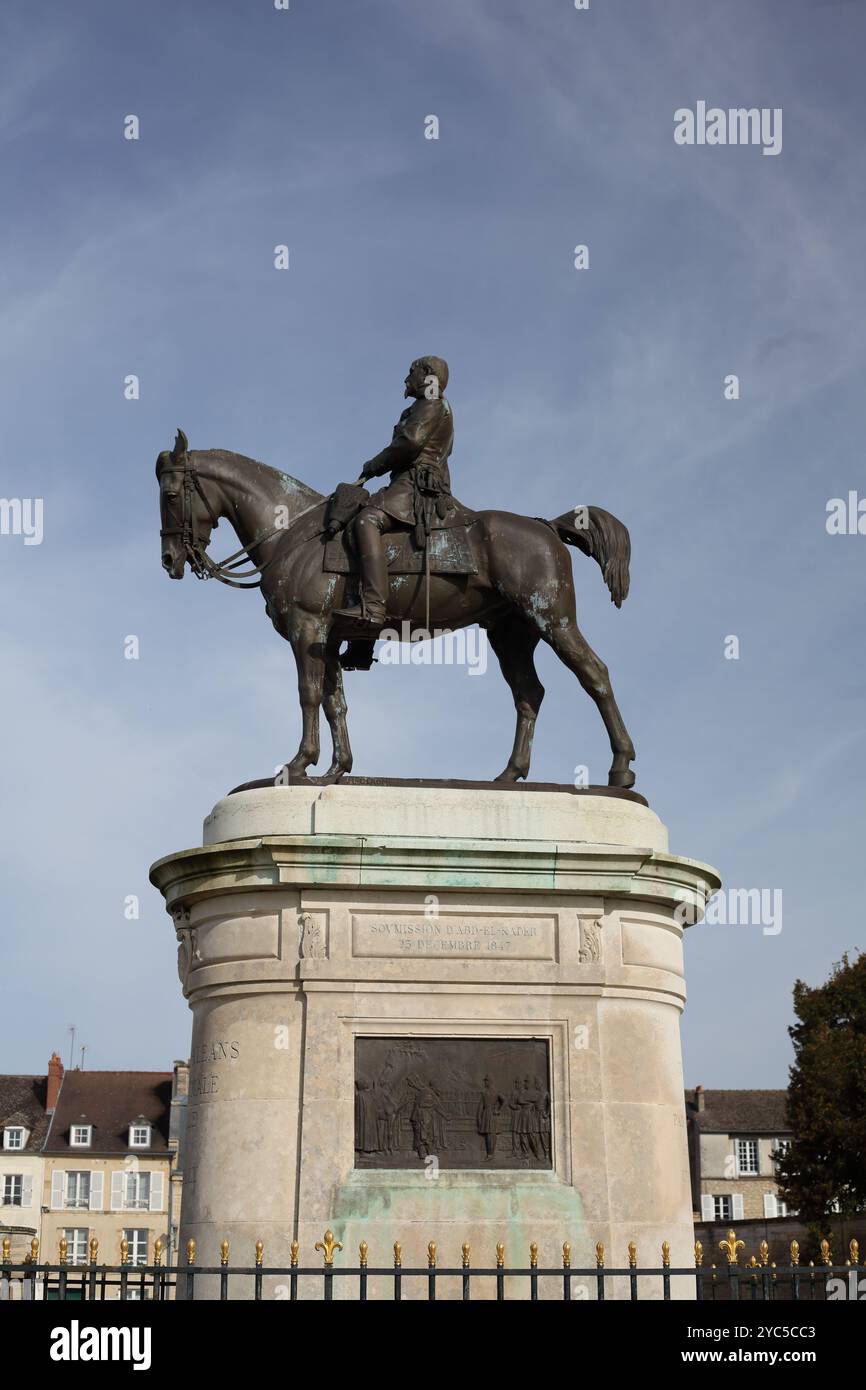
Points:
(291, 486)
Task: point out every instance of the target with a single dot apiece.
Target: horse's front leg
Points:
(308, 644)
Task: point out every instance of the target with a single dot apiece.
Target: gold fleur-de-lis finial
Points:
(190, 1252)
(825, 1252)
(466, 1253)
(730, 1247)
(34, 1251)
(431, 1254)
(94, 1250)
(224, 1253)
(795, 1252)
(500, 1254)
(7, 1251)
(157, 1251)
(753, 1263)
(764, 1252)
(124, 1250)
(398, 1254)
(260, 1253)
(566, 1255)
(328, 1245)
(699, 1254)
(362, 1252)
(293, 1252)
(63, 1250)
(599, 1253)
(666, 1254)
(632, 1255)
(854, 1251)
(533, 1255)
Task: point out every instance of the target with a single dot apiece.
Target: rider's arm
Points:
(410, 436)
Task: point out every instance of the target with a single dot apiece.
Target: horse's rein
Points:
(201, 564)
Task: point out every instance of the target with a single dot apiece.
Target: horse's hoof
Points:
(509, 774)
(625, 779)
(336, 772)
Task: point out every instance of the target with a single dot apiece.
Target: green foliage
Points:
(826, 1164)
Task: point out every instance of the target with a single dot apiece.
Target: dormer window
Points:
(139, 1135)
(81, 1136)
(14, 1137)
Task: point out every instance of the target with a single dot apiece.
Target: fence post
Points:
(293, 1275)
(224, 1273)
(63, 1251)
(566, 1272)
(699, 1274)
(91, 1273)
(466, 1275)
(729, 1249)
(826, 1259)
(533, 1272)
(158, 1285)
(328, 1246)
(362, 1256)
(398, 1277)
(257, 1286)
(599, 1266)
(431, 1266)
(190, 1269)
(666, 1271)
(795, 1277)
(500, 1271)
(764, 1255)
(632, 1265)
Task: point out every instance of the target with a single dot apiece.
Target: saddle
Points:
(449, 540)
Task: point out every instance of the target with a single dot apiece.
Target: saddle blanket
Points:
(450, 553)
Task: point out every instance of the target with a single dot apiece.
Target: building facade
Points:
(735, 1140)
(26, 1106)
(107, 1167)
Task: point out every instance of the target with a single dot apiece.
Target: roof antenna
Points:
(83, 1050)
(71, 1028)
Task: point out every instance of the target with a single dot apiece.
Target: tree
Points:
(825, 1169)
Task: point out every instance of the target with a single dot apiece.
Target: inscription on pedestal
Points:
(518, 938)
(452, 1103)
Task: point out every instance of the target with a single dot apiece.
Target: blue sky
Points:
(155, 257)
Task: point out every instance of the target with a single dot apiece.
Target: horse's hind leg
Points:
(514, 640)
(575, 652)
(334, 705)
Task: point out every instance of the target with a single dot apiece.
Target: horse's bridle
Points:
(201, 564)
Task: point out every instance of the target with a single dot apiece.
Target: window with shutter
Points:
(27, 1191)
(57, 1189)
(96, 1190)
(156, 1190)
(737, 1206)
(708, 1209)
(117, 1191)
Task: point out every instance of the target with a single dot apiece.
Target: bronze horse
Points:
(523, 591)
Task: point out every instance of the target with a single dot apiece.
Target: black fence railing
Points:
(755, 1280)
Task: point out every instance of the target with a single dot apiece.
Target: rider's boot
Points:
(370, 612)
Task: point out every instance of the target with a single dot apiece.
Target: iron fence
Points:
(758, 1279)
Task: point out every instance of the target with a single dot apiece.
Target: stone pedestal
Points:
(317, 917)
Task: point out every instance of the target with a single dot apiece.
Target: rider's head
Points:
(428, 376)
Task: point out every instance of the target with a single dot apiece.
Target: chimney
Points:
(700, 1098)
(55, 1077)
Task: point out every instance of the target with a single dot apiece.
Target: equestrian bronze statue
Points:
(336, 570)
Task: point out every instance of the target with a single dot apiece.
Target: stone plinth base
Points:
(317, 918)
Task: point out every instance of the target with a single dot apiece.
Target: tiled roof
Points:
(22, 1102)
(111, 1101)
(740, 1112)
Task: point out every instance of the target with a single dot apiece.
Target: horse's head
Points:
(186, 516)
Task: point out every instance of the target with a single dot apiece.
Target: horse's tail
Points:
(601, 536)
